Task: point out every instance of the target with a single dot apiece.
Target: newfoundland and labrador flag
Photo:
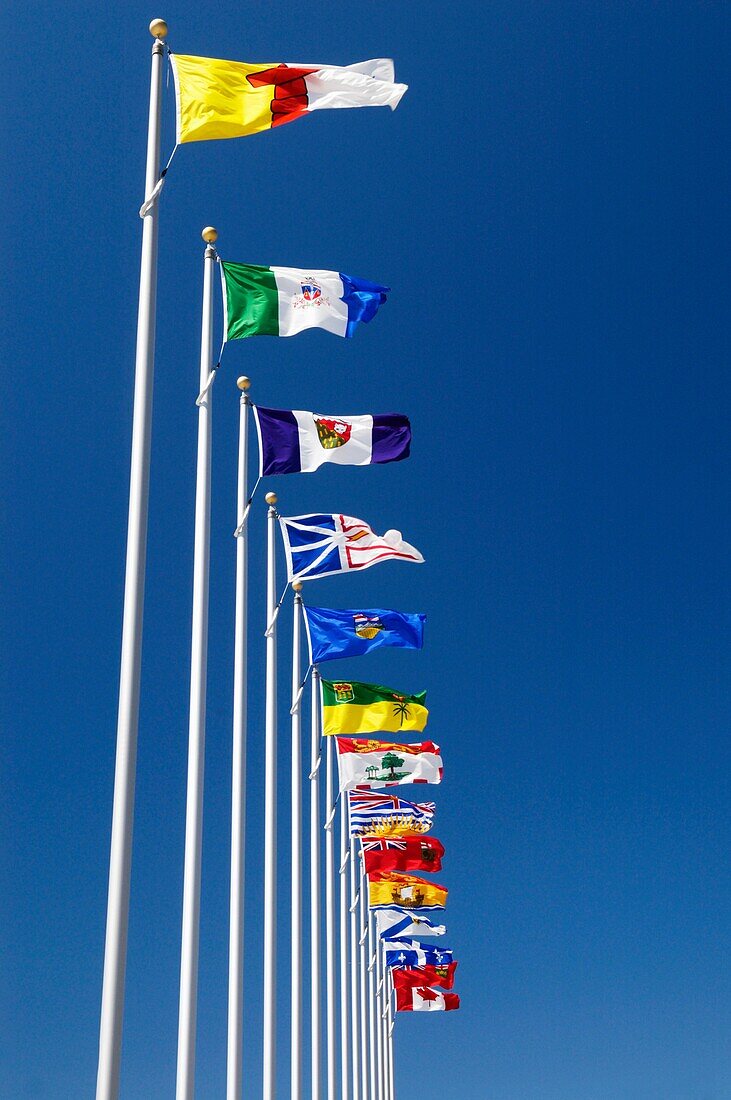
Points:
(282, 301)
(350, 633)
(227, 99)
(365, 762)
(349, 706)
(298, 442)
(442, 976)
(393, 921)
(420, 998)
(322, 545)
(386, 888)
(404, 853)
(377, 814)
(407, 954)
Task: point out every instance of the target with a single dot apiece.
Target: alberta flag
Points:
(321, 545)
(298, 442)
(334, 633)
(411, 953)
(282, 301)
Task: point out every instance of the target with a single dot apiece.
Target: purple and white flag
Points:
(292, 441)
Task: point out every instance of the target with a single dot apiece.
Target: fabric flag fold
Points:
(227, 99)
(298, 442)
(393, 921)
(406, 954)
(365, 762)
(405, 853)
(386, 888)
(379, 814)
(441, 976)
(424, 999)
(349, 706)
(324, 545)
(334, 633)
(282, 301)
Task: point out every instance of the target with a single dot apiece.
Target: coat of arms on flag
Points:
(311, 291)
(366, 626)
(332, 433)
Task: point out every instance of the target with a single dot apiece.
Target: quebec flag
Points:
(411, 953)
(321, 545)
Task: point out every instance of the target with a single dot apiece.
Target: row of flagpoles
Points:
(368, 971)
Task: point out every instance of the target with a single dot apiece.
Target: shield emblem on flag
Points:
(343, 692)
(332, 433)
(366, 627)
(311, 291)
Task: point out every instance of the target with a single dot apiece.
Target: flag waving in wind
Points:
(365, 762)
(282, 301)
(393, 922)
(228, 99)
(401, 853)
(298, 442)
(335, 633)
(403, 953)
(322, 545)
(375, 813)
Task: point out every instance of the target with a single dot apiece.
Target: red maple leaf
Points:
(427, 994)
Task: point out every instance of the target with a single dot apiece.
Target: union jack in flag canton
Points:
(406, 853)
(375, 814)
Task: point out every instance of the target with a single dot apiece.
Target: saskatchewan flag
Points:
(352, 707)
(282, 301)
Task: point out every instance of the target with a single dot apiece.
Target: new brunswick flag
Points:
(227, 99)
(349, 706)
(407, 891)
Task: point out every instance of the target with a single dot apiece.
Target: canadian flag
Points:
(421, 998)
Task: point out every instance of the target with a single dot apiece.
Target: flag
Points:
(408, 891)
(297, 442)
(378, 814)
(227, 99)
(392, 921)
(405, 853)
(407, 954)
(334, 633)
(424, 999)
(282, 301)
(364, 762)
(349, 706)
(323, 545)
(442, 976)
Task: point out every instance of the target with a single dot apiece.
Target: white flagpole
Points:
(382, 1019)
(120, 857)
(270, 816)
(330, 922)
(379, 1018)
(363, 967)
(315, 1014)
(354, 990)
(234, 1057)
(390, 1022)
(197, 713)
(296, 859)
(344, 958)
(372, 1006)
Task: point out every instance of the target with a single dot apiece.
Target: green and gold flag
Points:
(352, 707)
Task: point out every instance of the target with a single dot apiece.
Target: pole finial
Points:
(271, 498)
(158, 28)
(297, 586)
(243, 383)
(209, 234)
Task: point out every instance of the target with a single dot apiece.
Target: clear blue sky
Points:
(549, 205)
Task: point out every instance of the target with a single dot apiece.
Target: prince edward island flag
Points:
(282, 301)
(321, 545)
(334, 633)
(298, 442)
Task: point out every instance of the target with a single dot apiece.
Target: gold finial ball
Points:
(209, 234)
(243, 382)
(271, 498)
(297, 586)
(158, 28)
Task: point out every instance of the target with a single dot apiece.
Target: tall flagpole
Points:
(315, 1013)
(296, 857)
(197, 717)
(120, 858)
(390, 1022)
(382, 1019)
(372, 1047)
(330, 922)
(344, 957)
(270, 816)
(234, 1059)
(354, 985)
(363, 967)
(379, 1017)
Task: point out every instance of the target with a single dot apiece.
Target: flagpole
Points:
(197, 713)
(371, 1005)
(344, 958)
(315, 1014)
(234, 1057)
(330, 923)
(270, 815)
(382, 1019)
(354, 1022)
(379, 1019)
(390, 1022)
(296, 856)
(363, 913)
(120, 857)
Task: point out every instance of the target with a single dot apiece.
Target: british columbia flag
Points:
(376, 814)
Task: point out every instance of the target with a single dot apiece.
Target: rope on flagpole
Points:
(296, 702)
(354, 906)
(242, 525)
(277, 609)
(152, 198)
(316, 768)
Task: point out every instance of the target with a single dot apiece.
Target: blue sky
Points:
(549, 205)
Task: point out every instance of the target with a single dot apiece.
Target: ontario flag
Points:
(405, 853)
(410, 978)
(421, 998)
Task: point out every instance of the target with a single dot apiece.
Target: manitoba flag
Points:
(406, 853)
(423, 999)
